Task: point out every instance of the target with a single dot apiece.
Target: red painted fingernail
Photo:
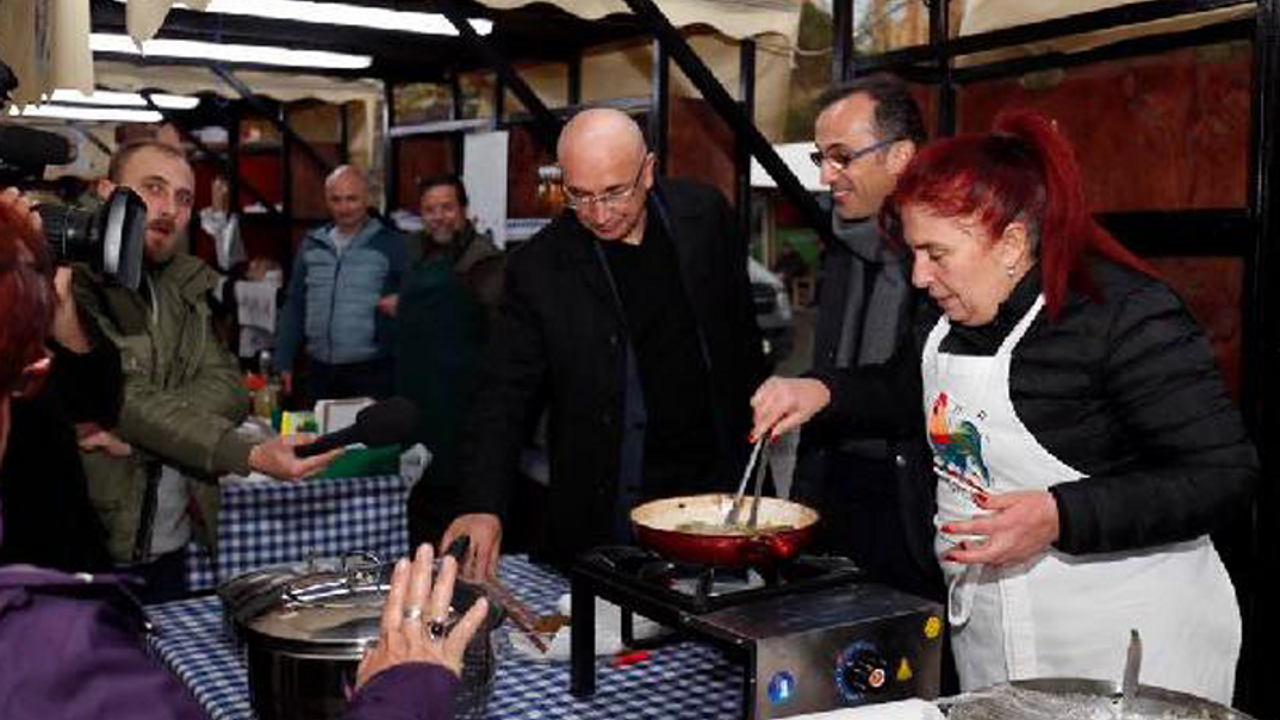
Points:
(948, 529)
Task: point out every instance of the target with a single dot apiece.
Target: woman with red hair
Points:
(1083, 442)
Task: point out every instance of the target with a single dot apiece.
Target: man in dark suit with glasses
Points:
(632, 312)
(868, 489)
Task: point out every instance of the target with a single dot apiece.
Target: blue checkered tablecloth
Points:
(190, 637)
(686, 681)
(201, 577)
(269, 523)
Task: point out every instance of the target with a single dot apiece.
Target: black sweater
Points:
(1122, 386)
(48, 519)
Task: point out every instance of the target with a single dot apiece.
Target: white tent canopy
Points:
(191, 79)
(47, 41)
(737, 19)
(986, 15)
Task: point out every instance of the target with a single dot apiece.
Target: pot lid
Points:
(327, 602)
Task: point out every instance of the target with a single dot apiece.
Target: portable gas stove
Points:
(811, 636)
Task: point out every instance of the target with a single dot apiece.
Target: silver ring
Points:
(413, 613)
(436, 628)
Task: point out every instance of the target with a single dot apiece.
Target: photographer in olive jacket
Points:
(183, 398)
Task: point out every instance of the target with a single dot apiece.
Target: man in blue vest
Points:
(342, 297)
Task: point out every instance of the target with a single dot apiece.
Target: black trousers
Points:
(373, 378)
(860, 502)
(164, 578)
(431, 509)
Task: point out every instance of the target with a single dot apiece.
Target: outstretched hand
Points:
(414, 617)
(276, 457)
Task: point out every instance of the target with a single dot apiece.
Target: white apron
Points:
(1059, 615)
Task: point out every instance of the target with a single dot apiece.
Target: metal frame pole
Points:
(234, 182)
(458, 103)
(660, 107)
(246, 93)
(547, 124)
(344, 137)
(747, 90)
(939, 35)
(1258, 694)
(390, 148)
(227, 162)
(499, 100)
(728, 109)
(574, 79)
(841, 40)
(286, 168)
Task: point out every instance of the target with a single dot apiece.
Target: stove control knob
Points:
(865, 672)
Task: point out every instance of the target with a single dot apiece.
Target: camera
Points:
(110, 239)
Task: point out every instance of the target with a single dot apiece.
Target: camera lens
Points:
(71, 233)
(110, 241)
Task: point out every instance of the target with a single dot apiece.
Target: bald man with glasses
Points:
(631, 313)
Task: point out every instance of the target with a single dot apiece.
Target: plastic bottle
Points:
(267, 400)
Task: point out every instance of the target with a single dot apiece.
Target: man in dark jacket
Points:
(633, 314)
(451, 290)
(869, 489)
(448, 233)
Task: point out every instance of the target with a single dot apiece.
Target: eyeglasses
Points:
(33, 378)
(610, 199)
(843, 159)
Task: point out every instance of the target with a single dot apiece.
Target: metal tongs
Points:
(735, 511)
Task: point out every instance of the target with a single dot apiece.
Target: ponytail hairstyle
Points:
(1022, 171)
(26, 304)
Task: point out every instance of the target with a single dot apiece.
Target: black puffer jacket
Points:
(1123, 387)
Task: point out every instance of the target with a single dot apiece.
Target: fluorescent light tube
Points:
(332, 13)
(123, 99)
(227, 52)
(101, 114)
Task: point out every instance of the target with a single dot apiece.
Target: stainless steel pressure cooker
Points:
(1081, 699)
(304, 627)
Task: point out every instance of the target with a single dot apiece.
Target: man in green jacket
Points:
(183, 397)
(450, 291)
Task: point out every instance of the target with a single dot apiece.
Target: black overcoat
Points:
(560, 337)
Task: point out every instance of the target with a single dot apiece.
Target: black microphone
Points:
(387, 422)
(30, 148)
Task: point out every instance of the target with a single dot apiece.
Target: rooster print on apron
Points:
(1059, 615)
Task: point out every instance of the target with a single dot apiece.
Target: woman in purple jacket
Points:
(71, 646)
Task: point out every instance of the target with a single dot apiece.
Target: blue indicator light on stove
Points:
(782, 686)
